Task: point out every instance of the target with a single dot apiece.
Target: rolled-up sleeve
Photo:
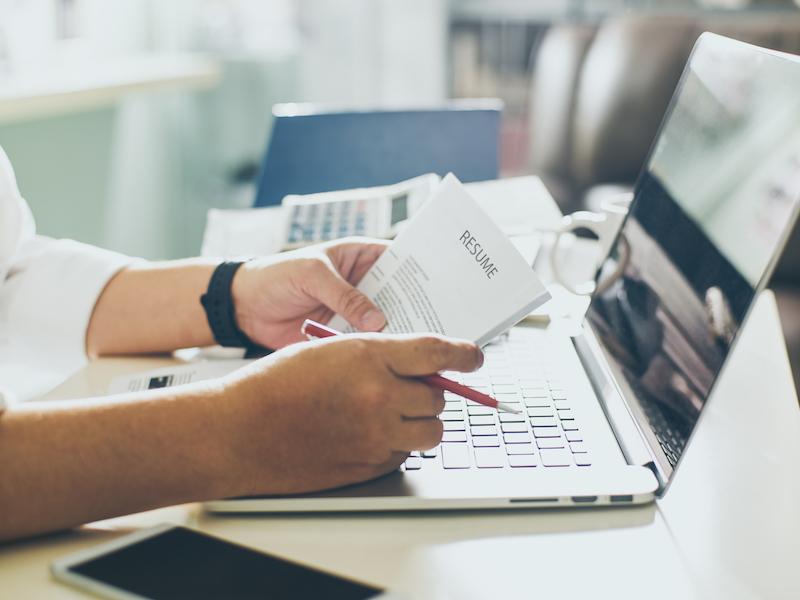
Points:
(48, 290)
(52, 288)
(46, 303)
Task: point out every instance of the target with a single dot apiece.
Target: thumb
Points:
(342, 298)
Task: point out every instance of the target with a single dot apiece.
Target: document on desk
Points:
(451, 270)
(175, 375)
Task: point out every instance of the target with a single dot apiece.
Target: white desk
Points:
(728, 528)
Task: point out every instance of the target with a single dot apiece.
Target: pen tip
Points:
(507, 408)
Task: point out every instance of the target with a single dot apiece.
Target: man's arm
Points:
(152, 307)
(286, 424)
(155, 307)
(66, 463)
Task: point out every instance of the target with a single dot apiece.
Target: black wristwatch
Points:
(220, 311)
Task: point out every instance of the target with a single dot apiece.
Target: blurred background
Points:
(126, 120)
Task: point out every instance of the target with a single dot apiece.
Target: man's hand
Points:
(341, 410)
(272, 296)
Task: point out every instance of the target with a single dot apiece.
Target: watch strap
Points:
(220, 311)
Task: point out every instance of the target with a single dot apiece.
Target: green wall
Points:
(139, 177)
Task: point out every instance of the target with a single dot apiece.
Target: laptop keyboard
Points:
(546, 433)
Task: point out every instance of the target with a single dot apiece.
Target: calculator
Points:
(372, 212)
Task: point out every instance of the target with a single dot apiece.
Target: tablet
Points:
(176, 562)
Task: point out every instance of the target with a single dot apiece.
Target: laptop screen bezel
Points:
(665, 471)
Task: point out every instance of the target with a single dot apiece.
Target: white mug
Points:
(605, 225)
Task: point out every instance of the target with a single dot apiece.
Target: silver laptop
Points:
(608, 414)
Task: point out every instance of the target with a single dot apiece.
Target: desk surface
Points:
(729, 526)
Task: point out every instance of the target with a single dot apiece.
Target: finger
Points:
(415, 355)
(417, 434)
(416, 399)
(366, 471)
(366, 258)
(395, 460)
(355, 257)
(342, 298)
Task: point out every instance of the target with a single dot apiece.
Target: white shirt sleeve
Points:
(48, 290)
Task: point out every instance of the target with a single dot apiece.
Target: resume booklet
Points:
(451, 270)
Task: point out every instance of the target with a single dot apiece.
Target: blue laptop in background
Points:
(314, 150)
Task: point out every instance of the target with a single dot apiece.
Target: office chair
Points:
(318, 151)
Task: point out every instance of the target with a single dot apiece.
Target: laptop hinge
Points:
(629, 437)
(662, 485)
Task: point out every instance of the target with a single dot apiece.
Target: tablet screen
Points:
(181, 563)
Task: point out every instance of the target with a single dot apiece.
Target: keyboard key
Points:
(517, 438)
(574, 436)
(577, 447)
(480, 410)
(503, 380)
(511, 418)
(482, 420)
(413, 463)
(505, 389)
(513, 449)
(565, 413)
(582, 459)
(546, 432)
(558, 394)
(544, 422)
(454, 436)
(490, 458)
(530, 393)
(432, 453)
(539, 411)
(514, 427)
(486, 441)
(556, 457)
(479, 378)
(537, 402)
(454, 426)
(561, 404)
(452, 415)
(514, 398)
(571, 425)
(542, 443)
(456, 456)
(515, 406)
(483, 430)
(522, 460)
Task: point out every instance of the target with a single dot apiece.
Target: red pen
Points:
(313, 329)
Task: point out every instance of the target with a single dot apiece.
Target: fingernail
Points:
(480, 357)
(373, 320)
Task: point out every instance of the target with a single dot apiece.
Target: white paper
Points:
(244, 232)
(519, 205)
(175, 375)
(452, 271)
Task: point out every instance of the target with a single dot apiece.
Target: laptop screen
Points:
(711, 209)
